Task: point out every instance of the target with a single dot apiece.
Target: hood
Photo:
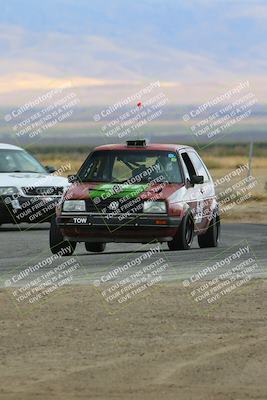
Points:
(25, 179)
(93, 190)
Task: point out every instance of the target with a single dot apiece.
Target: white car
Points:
(29, 192)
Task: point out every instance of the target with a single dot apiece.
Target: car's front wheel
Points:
(184, 235)
(95, 247)
(57, 242)
(212, 236)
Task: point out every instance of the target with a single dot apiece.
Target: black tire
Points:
(57, 242)
(184, 236)
(212, 236)
(95, 247)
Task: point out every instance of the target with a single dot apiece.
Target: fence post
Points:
(250, 158)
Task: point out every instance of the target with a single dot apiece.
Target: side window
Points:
(189, 167)
(199, 166)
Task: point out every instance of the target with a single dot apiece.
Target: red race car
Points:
(138, 193)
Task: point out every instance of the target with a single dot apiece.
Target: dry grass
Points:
(232, 162)
(62, 159)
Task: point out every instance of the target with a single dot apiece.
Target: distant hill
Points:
(170, 127)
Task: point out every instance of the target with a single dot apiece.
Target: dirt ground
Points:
(160, 347)
(250, 213)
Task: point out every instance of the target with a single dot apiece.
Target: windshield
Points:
(19, 161)
(135, 166)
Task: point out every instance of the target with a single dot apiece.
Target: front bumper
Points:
(95, 227)
(27, 209)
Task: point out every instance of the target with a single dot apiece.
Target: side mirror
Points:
(72, 178)
(50, 169)
(197, 179)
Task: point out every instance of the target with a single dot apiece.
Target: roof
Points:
(154, 146)
(6, 146)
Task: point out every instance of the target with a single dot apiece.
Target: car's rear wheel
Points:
(95, 247)
(57, 242)
(212, 236)
(185, 234)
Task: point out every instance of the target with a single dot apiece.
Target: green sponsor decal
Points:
(118, 191)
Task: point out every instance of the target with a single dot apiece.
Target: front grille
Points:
(43, 191)
(116, 206)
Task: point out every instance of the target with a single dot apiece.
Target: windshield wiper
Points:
(125, 180)
(19, 171)
(32, 172)
(92, 181)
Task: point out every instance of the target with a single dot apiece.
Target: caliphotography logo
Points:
(32, 285)
(132, 277)
(223, 276)
(36, 197)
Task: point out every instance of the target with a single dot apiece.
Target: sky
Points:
(109, 49)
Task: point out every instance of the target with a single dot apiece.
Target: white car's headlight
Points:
(8, 191)
(155, 207)
(74, 205)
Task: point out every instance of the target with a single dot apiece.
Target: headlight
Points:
(8, 191)
(74, 205)
(155, 207)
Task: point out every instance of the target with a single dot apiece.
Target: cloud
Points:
(29, 82)
(102, 70)
(61, 54)
(249, 10)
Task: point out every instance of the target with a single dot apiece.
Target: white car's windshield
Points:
(19, 161)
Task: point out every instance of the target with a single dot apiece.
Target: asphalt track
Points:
(24, 247)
